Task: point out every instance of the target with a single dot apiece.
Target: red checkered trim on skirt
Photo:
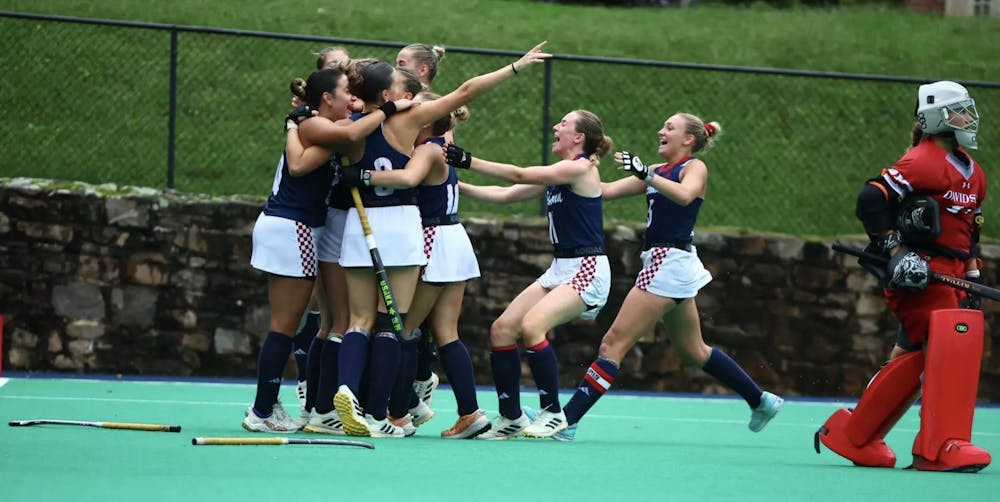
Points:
(307, 248)
(585, 276)
(646, 276)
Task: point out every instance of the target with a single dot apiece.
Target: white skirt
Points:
(332, 237)
(284, 247)
(590, 277)
(398, 236)
(449, 253)
(672, 273)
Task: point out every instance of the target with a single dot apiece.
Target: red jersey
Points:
(959, 190)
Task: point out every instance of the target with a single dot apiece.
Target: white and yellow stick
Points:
(102, 425)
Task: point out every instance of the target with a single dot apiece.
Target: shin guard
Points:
(951, 380)
(857, 435)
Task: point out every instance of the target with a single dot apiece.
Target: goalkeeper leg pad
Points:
(858, 435)
(951, 380)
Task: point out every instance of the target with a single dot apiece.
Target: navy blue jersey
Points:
(576, 223)
(668, 221)
(439, 203)
(340, 195)
(381, 156)
(301, 198)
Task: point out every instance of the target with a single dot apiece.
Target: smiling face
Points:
(339, 100)
(567, 137)
(674, 137)
(406, 60)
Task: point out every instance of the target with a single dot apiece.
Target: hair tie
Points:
(710, 129)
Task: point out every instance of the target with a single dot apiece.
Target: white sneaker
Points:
(564, 435)
(325, 423)
(506, 428)
(425, 388)
(277, 422)
(421, 413)
(769, 406)
(300, 391)
(280, 412)
(405, 423)
(351, 413)
(383, 428)
(468, 426)
(546, 424)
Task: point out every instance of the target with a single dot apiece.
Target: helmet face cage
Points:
(946, 107)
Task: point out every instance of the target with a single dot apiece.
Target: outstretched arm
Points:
(500, 194)
(622, 188)
(563, 172)
(692, 181)
(432, 110)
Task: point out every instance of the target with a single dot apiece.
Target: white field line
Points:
(3, 381)
(591, 416)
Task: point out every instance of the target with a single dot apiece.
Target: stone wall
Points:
(102, 279)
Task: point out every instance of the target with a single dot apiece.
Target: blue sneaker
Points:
(769, 406)
(564, 435)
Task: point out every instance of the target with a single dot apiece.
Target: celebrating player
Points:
(924, 214)
(575, 285)
(671, 275)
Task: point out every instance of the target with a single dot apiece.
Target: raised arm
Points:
(692, 184)
(622, 188)
(302, 161)
(433, 110)
(318, 132)
(561, 173)
(493, 193)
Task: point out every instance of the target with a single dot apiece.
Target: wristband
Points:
(512, 67)
(972, 274)
(388, 108)
(366, 178)
(889, 241)
(289, 125)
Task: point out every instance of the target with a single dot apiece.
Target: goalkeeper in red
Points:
(924, 215)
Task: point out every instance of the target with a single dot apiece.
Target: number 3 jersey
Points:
(381, 156)
(668, 221)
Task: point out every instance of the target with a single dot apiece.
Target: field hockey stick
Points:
(102, 425)
(380, 273)
(264, 441)
(967, 286)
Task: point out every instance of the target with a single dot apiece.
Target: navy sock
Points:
(545, 369)
(506, 364)
(314, 365)
(402, 390)
(458, 367)
(426, 355)
(384, 366)
(724, 369)
(270, 366)
(327, 382)
(352, 361)
(599, 377)
(303, 339)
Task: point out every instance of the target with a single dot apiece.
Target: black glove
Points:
(458, 157)
(634, 166)
(299, 113)
(907, 270)
(873, 267)
(354, 176)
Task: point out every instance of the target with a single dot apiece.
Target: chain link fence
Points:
(201, 110)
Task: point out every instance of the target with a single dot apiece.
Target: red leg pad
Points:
(890, 393)
(951, 380)
(873, 454)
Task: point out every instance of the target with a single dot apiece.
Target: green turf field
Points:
(629, 448)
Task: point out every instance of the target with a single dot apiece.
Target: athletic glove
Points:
(458, 157)
(873, 267)
(907, 270)
(354, 176)
(298, 114)
(634, 166)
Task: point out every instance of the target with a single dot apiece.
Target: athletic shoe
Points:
(769, 406)
(325, 423)
(565, 435)
(468, 426)
(405, 423)
(425, 388)
(506, 428)
(546, 424)
(277, 422)
(383, 428)
(421, 413)
(300, 391)
(351, 413)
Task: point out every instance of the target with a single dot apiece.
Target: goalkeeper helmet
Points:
(945, 106)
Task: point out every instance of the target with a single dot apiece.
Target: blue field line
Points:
(527, 391)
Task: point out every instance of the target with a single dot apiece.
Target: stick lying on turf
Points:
(103, 425)
(278, 441)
